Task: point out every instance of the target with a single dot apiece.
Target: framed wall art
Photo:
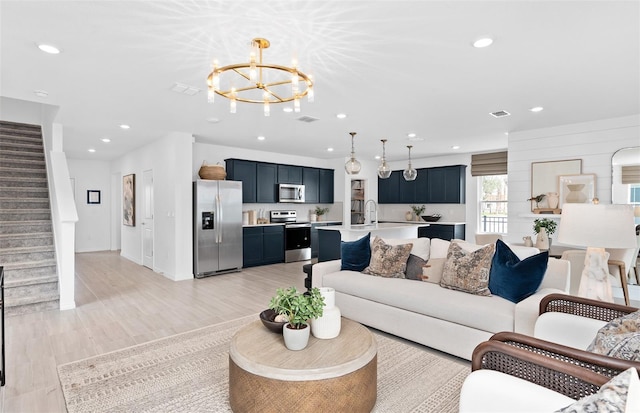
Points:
(129, 200)
(544, 177)
(576, 189)
(93, 196)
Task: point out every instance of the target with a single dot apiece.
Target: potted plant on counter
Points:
(417, 211)
(320, 212)
(299, 308)
(544, 228)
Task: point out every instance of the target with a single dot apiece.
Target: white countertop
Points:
(370, 227)
(425, 222)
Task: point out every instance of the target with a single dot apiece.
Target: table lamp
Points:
(597, 227)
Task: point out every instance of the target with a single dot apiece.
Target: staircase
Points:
(26, 238)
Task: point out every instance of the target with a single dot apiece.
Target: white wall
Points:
(93, 226)
(593, 142)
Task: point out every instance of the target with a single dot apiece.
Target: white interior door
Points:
(147, 219)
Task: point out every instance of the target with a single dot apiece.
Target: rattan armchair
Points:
(569, 371)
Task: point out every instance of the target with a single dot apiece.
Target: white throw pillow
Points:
(420, 245)
(439, 248)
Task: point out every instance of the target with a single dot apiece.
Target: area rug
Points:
(189, 373)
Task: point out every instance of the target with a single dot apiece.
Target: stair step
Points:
(18, 145)
(16, 128)
(20, 154)
(27, 270)
(13, 182)
(24, 203)
(18, 227)
(25, 193)
(8, 138)
(32, 304)
(31, 286)
(25, 240)
(25, 214)
(23, 172)
(26, 254)
(23, 163)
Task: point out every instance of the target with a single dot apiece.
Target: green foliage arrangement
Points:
(548, 224)
(298, 307)
(418, 210)
(321, 211)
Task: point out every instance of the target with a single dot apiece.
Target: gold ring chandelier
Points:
(258, 82)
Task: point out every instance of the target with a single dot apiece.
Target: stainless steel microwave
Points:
(290, 193)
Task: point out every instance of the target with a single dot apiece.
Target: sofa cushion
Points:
(355, 254)
(468, 271)
(620, 394)
(490, 314)
(414, 268)
(516, 279)
(619, 338)
(434, 270)
(421, 246)
(439, 248)
(388, 260)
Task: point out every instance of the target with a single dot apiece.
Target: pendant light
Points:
(384, 171)
(352, 166)
(410, 174)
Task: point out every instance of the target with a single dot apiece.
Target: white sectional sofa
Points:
(451, 321)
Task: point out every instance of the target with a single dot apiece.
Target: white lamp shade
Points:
(603, 226)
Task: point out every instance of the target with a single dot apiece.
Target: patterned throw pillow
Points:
(468, 271)
(388, 260)
(619, 338)
(620, 394)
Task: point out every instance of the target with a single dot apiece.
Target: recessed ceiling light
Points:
(213, 120)
(377, 157)
(341, 115)
(455, 147)
(92, 150)
(411, 135)
(329, 149)
(41, 93)
(287, 109)
(47, 48)
(537, 109)
(261, 138)
(483, 42)
(125, 126)
(105, 140)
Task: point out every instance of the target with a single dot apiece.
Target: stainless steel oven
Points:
(297, 235)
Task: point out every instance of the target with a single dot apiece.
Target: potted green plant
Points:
(417, 211)
(320, 212)
(299, 308)
(544, 228)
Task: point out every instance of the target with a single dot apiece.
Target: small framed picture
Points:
(576, 189)
(93, 196)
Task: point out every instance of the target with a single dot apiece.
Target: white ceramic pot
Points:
(542, 240)
(328, 326)
(295, 339)
(553, 199)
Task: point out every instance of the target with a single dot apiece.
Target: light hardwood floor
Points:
(120, 304)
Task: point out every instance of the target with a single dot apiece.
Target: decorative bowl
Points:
(431, 218)
(267, 317)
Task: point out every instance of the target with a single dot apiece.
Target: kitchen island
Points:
(329, 237)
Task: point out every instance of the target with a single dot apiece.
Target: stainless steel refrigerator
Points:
(217, 227)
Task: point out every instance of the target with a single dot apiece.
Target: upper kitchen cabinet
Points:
(266, 180)
(446, 184)
(245, 171)
(388, 192)
(289, 174)
(325, 192)
(311, 182)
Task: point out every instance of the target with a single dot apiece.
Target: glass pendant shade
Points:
(410, 174)
(352, 166)
(384, 171)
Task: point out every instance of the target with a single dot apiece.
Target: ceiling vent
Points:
(185, 89)
(500, 114)
(307, 119)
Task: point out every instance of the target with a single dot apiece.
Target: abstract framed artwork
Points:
(576, 189)
(129, 200)
(93, 196)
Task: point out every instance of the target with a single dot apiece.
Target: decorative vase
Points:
(552, 199)
(542, 240)
(328, 326)
(408, 216)
(295, 339)
(527, 241)
(575, 195)
(313, 217)
(318, 218)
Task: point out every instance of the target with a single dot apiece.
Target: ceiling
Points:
(393, 67)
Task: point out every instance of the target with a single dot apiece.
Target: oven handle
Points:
(298, 226)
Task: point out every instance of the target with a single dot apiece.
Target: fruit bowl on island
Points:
(431, 218)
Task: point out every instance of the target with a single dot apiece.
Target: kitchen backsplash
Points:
(449, 212)
(303, 210)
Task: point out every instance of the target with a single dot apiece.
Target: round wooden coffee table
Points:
(328, 375)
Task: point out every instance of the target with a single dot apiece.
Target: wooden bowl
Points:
(267, 317)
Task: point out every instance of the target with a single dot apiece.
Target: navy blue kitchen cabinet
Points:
(273, 244)
(325, 191)
(443, 231)
(289, 174)
(388, 191)
(440, 185)
(251, 246)
(262, 245)
(266, 179)
(311, 181)
(446, 185)
(245, 171)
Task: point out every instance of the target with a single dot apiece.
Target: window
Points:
(634, 193)
(493, 203)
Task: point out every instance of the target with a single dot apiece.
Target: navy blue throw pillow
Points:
(513, 279)
(356, 254)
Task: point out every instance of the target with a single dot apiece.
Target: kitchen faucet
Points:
(367, 211)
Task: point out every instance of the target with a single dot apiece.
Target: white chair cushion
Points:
(567, 329)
